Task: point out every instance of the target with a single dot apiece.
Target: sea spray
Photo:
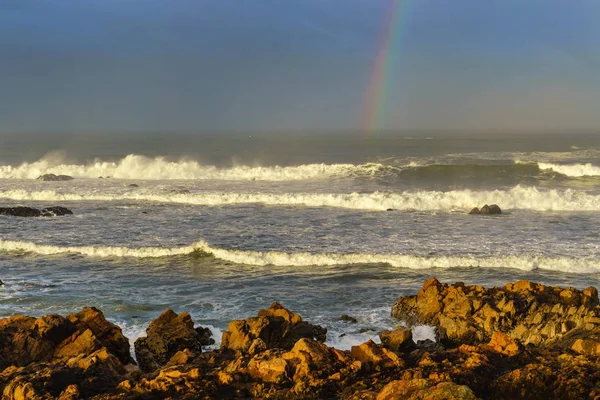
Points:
(519, 197)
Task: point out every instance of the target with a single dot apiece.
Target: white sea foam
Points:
(525, 198)
(141, 167)
(526, 263)
(574, 170)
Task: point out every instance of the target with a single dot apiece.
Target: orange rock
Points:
(375, 356)
(502, 343)
(587, 346)
(400, 339)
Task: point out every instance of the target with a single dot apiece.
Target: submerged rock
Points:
(486, 210)
(54, 178)
(347, 318)
(21, 211)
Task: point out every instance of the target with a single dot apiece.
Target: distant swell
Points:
(142, 167)
(526, 198)
(564, 264)
(574, 170)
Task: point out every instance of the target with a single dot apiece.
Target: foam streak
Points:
(526, 263)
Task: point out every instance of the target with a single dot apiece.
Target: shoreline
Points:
(522, 340)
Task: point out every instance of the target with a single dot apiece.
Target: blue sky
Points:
(247, 65)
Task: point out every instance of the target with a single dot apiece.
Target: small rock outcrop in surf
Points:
(20, 211)
(54, 178)
(486, 210)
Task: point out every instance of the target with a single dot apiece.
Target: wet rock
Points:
(134, 185)
(347, 318)
(21, 211)
(276, 326)
(400, 339)
(55, 211)
(528, 312)
(486, 210)
(1, 283)
(54, 178)
(167, 335)
(205, 336)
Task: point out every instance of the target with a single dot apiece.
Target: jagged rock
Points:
(565, 367)
(502, 343)
(276, 326)
(106, 333)
(205, 336)
(24, 340)
(375, 357)
(20, 211)
(400, 339)
(167, 335)
(54, 178)
(415, 389)
(347, 318)
(529, 312)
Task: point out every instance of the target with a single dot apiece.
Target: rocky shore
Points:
(520, 341)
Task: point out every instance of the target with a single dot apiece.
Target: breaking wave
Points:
(574, 170)
(526, 263)
(141, 167)
(525, 198)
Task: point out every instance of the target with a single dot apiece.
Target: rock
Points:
(375, 357)
(205, 336)
(502, 343)
(133, 185)
(167, 335)
(486, 210)
(347, 318)
(85, 356)
(106, 333)
(276, 326)
(54, 178)
(1, 283)
(180, 191)
(528, 312)
(489, 210)
(55, 211)
(425, 389)
(21, 211)
(400, 339)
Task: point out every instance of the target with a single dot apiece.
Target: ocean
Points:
(223, 224)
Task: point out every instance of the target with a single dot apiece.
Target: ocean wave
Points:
(573, 170)
(282, 259)
(519, 197)
(145, 168)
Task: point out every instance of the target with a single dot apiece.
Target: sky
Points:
(297, 65)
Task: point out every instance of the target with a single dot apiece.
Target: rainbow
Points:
(376, 95)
